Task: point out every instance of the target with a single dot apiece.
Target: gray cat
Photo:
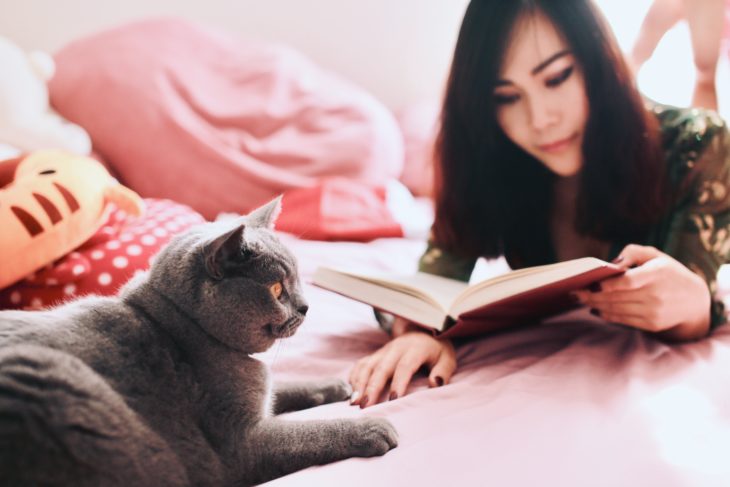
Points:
(157, 387)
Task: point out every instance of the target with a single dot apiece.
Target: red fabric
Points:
(123, 246)
(338, 209)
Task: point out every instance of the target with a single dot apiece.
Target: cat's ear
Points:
(223, 250)
(265, 216)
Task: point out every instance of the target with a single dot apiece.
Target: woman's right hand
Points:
(398, 360)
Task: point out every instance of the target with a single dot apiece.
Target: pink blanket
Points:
(574, 402)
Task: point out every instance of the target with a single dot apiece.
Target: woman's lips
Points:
(558, 145)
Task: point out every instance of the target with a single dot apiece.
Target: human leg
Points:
(706, 20)
(662, 16)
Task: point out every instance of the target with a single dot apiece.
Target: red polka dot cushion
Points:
(122, 247)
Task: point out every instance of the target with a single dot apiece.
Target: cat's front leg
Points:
(283, 447)
(294, 396)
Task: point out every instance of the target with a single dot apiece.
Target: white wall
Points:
(400, 50)
(669, 75)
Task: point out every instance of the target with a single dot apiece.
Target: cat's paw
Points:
(331, 390)
(373, 437)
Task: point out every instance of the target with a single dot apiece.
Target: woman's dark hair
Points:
(492, 198)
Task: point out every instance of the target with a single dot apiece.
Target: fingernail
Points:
(439, 381)
(393, 396)
(354, 397)
(595, 312)
(595, 287)
(618, 260)
(364, 402)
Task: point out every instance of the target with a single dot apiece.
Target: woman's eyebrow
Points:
(550, 60)
(537, 69)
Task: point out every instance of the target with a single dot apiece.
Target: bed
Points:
(571, 402)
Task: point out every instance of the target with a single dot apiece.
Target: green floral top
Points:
(696, 232)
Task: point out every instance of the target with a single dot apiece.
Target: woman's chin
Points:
(564, 168)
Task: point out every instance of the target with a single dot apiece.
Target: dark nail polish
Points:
(393, 396)
(595, 287)
(363, 402)
(595, 312)
(618, 260)
(439, 381)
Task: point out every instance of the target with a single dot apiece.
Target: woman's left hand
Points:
(656, 293)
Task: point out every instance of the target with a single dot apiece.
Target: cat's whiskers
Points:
(270, 356)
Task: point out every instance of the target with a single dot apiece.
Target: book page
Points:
(521, 280)
(438, 290)
(409, 299)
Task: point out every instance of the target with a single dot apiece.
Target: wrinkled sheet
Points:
(572, 402)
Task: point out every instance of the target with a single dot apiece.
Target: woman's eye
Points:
(558, 80)
(276, 289)
(505, 99)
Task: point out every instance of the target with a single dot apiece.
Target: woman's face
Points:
(540, 96)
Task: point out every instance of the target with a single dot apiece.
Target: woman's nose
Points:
(542, 115)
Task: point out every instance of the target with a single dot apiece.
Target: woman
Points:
(546, 152)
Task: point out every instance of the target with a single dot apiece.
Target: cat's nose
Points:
(303, 310)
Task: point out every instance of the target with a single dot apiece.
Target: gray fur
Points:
(157, 386)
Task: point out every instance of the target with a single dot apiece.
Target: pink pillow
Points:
(419, 123)
(195, 115)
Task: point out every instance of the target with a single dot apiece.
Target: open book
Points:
(454, 308)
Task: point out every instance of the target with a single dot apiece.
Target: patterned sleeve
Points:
(699, 236)
(439, 262)
(445, 264)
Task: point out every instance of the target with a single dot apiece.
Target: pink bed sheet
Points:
(572, 402)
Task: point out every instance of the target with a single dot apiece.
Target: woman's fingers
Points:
(397, 362)
(380, 374)
(624, 306)
(634, 255)
(633, 279)
(657, 293)
(444, 367)
(440, 357)
(590, 298)
(360, 375)
(403, 374)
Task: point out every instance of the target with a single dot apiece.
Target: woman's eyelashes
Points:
(502, 99)
(560, 78)
(551, 82)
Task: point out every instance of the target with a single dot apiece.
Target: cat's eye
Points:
(276, 289)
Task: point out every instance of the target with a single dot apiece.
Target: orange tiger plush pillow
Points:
(50, 203)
